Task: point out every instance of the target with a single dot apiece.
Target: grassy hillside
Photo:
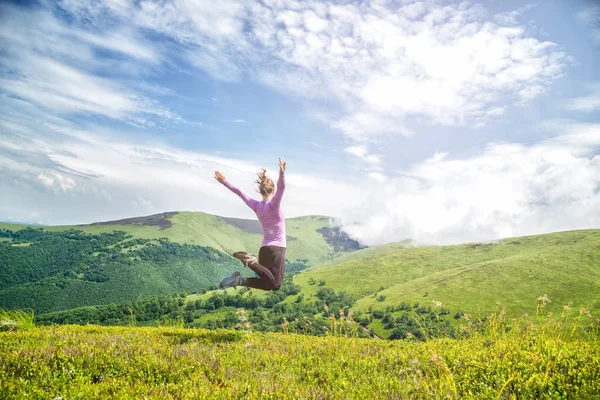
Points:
(224, 234)
(61, 267)
(371, 252)
(49, 271)
(538, 361)
(473, 277)
(394, 285)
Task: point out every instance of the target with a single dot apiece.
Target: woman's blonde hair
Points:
(266, 187)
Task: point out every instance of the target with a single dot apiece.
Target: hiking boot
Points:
(244, 257)
(231, 281)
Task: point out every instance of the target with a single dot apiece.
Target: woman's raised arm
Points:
(249, 201)
(276, 200)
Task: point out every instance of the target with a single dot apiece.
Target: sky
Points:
(439, 121)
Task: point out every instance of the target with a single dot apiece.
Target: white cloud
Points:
(141, 202)
(588, 103)
(56, 181)
(591, 18)
(104, 177)
(373, 69)
(362, 152)
(448, 67)
(508, 190)
(511, 18)
(381, 64)
(56, 66)
(377, 176)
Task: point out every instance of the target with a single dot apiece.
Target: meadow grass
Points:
(535, 357)
(371, 252)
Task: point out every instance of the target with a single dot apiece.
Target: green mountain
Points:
(305, 242)
(62, 267)
(133, 261)
(471, 277)
(393, 286)
(395, 290)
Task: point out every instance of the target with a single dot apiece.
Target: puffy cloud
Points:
(508, 190)
(381, 64)
(367, 69)
(55, 181)
(105, 177)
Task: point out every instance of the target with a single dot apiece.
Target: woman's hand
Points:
(220, 177)
(282, 165)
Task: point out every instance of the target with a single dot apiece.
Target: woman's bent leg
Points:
(270, 268)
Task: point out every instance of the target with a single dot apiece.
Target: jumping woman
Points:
(270, 265)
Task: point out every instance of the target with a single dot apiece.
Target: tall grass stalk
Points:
(16, 320)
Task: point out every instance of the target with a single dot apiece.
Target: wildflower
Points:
(326, 308)
(566, 308)
(585, 311)
(497, 304)
(435, 359)
(543, 299)
(466, 316)
(437, 304)
(550, 314)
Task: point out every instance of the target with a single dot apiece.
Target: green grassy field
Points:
(467, 279)
(472, 277)
(524, 359)
(370, 252)
(553, 352)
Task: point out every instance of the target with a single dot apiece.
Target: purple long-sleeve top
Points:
(269, 213)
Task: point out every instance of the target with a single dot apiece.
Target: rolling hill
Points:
(61, 267)
(472, 277)
(396, 282)
(305, 242)
(385, 281)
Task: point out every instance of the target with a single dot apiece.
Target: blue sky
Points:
(433, 120)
